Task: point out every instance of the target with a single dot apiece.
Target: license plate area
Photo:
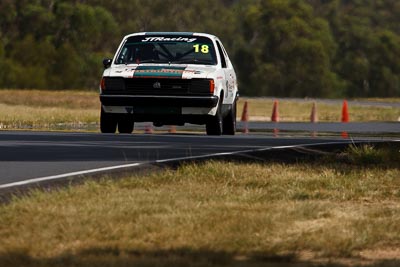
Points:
(158, 110)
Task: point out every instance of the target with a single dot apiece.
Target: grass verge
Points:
(41, 109)
(291, 111)
(340, 210)
(51, 110)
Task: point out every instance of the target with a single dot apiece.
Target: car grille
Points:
(154, 86)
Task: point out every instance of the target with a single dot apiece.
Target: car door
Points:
(230, 76)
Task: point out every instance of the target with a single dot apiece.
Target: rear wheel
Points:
(108, 122)
(125, 123)
(214, 124)
(229, 122)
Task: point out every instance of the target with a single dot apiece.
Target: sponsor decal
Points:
(169, 39)
(193, 71)
(158, 72)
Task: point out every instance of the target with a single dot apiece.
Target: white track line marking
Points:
(124, 166)
(71, 174)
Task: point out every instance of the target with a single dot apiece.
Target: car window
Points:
(221, 54)
(167, 49)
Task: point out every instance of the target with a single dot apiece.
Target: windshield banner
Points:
(169, 39)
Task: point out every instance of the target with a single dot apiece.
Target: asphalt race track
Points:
(32, 155)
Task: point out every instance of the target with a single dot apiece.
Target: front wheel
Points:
(108, 122)
(214, 124)
(229, 122)
(125, 123)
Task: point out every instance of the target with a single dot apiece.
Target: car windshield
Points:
(167, 49)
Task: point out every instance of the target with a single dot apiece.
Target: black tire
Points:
(108, 122)
(229, 122)
(125, 123)
(214, 124)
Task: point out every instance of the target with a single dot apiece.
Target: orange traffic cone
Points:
(245, 113)
(275, 112)
(245, 118)
(314, 115)
(148, 129)
(275, 131)
(172, 129)
(345, 117)
(345, 112)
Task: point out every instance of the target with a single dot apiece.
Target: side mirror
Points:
(106, 63)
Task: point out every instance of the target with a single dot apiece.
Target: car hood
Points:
(161, 71)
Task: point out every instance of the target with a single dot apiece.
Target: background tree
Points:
(318, 48)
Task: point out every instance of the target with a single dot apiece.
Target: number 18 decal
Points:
(203, 48)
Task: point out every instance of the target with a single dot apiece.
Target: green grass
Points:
(340, 210)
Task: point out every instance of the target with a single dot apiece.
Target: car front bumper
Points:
(149, 100)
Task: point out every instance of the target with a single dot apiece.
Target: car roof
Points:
(172, 33)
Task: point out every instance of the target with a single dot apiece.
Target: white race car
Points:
(169, 78)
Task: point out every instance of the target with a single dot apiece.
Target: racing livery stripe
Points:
(159, 71)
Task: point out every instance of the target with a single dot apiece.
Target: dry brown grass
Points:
(68, 99)
(28, 117)
(215, 214)
(292, 111)
(43, 109)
